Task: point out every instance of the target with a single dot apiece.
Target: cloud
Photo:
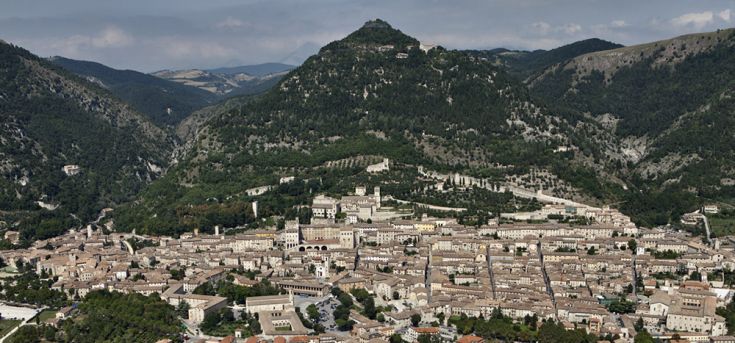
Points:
(109, 37)
(618, 23)
(544, 28)
(230, 23)
(571, 28)
(724, 15)
(696, 20)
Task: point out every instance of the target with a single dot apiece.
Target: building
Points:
(199, 305)
(71, 169)
(379, 167)
(264, 303)
(711, 209)
(324, 207)
(413, 333)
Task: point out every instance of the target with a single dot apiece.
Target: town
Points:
(360, 272)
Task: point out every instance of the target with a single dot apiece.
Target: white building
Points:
(71, 169)
(265, 303)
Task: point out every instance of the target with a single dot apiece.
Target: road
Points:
(427, 283)
(546, 278)
(490, 272)
(706, 227)
(195, 335)
(635, 276)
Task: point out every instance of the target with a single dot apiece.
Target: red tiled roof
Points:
(470, 339)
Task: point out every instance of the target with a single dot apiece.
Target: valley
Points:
(385, 189)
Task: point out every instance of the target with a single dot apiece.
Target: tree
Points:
(210, 322)
(696, 275)
(633, 245)
(426, 338)
(415, 319)
(643, 337)
(621, 306)
(396, 296)
(205, 289)
(441, 317)
(183, 309)
(639, 324)
(592, 251)
(313, 312)
(396, 338)
(369, 308)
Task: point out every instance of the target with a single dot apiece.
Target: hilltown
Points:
(602, 275)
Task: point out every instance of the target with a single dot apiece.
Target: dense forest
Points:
(164, 102)
(116, 317)
(51, 118)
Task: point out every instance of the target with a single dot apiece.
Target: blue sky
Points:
(150, 35)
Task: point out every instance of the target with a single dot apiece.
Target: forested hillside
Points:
(647, 128)
(163, 102)
(372, 93)
(669, 104)
(523, 64)
(49, 119)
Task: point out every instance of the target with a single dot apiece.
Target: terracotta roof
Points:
(470, 339)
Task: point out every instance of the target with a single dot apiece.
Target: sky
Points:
(150, 35)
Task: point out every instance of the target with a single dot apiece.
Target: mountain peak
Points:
(379, 32)
(376, 24)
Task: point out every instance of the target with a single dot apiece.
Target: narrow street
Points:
(547, 281)
(490, 272)
(635, 276)
(428, 277)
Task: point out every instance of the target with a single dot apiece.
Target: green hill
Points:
(163, 102)
(50, 118)
(374, 93)
(668, 105)
(527, 63)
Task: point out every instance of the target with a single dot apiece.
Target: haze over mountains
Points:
(646, 127)
(167, 96)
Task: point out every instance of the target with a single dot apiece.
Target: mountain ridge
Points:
(52, 118)
(373, 93)
(164, 102)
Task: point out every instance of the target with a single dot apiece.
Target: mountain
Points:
(258, 70)
(373, 94)
(231, 81)
(163, 102)
(526, 63)
(49, 119)
(647, 128)
(669, 108)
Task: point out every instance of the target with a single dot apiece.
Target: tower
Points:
(376, 196)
